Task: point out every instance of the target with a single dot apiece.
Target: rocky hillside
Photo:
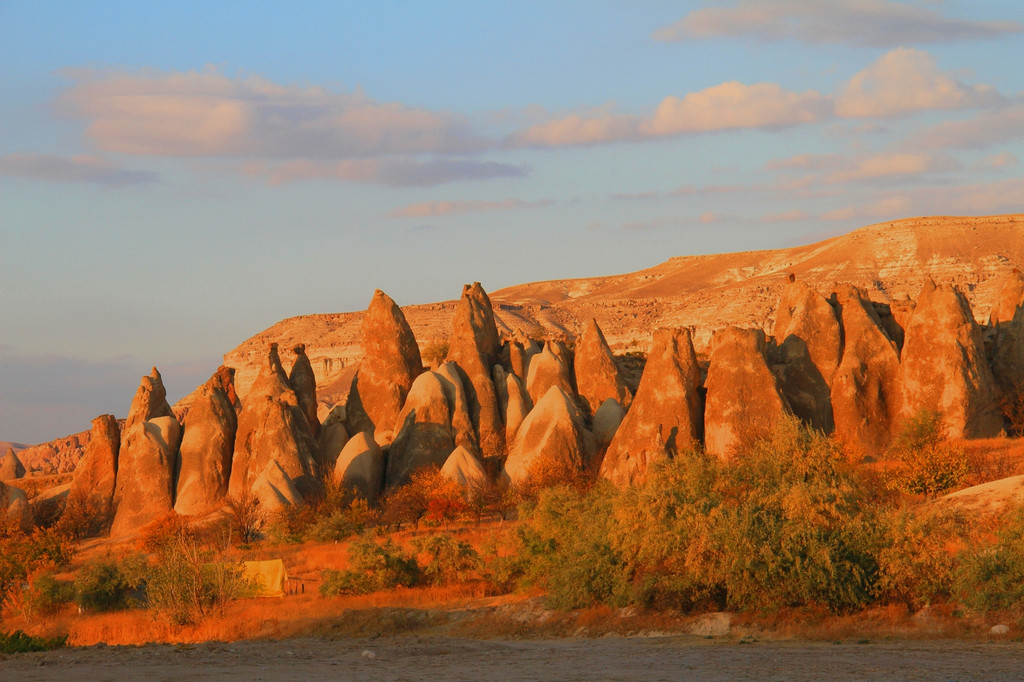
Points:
(887, 261)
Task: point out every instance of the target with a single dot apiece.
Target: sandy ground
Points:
(609, 658)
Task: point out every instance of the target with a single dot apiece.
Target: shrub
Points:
(46, 594)
(450, 560)
(186, 583)
(930, 464)
(916, 555)
(156, 535)
(375, 566)
(487, 497)
(110, 585)
(790, 531)
(428, 494)
(435, 353)
(22, 556)
(663, 530)
(341, 524)
(991, 578)
(567, 546)
(245, 516)
(18, 642)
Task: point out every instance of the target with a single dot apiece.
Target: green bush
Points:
(790, 531)
(991, 577)
(110, 585)
(451, 560)
(187, 582)
(781, 525)
(566, 542)
(25, 555)
(663, 532)
(341, 524)
(375, 566)
(915, 563)
(18, 642)
(47, 594)
(930, 464)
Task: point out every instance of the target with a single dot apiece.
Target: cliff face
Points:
(707, 293)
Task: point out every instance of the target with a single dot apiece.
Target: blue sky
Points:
(175, 177)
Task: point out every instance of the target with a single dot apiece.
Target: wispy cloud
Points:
(872, 23)
(728, 106)
(794, 216)
(986, 129)
(395, 172)
(997, 161)
(904, 81)
(206, 113)
(430, 209)
(86, 169)
(901, 82)
(834, 169)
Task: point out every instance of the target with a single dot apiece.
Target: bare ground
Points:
(608, 658)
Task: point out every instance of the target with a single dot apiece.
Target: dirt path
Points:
(610, 658)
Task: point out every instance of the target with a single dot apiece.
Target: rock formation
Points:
(10, 466)
(607, 420)
(303, 382)
(810, 339)
(424, 434)
(333, 436)
(553, 437)
(455, 390)
(145, 474)
(150, 401)
(15, 511)
(272, 426)
(207, 446)
(666, 413)
(144, 490)
(519, 356)
(865, 385)
(275, 489)
(519, 405)
(391, 361)
(1008, 350)
(547, 369)
(92, 489)
(464, 468)
(360, 467)
(743, 398)
(943, 367)
(1011, 297)
(597, 375)
(475, 348)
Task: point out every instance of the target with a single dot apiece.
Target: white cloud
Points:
(87, 169)
(793, 216)
(728, 106)
(209, 114)
(875, 23)
(395, 172)
(901, 82)
(833, 169)
(429, 209)
(984, 130)
(904, 81)
(997, 161)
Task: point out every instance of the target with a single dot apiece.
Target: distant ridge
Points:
(887, 260)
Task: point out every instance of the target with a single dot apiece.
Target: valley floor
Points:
(609, 658)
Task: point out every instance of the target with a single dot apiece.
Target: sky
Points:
(178, 176)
